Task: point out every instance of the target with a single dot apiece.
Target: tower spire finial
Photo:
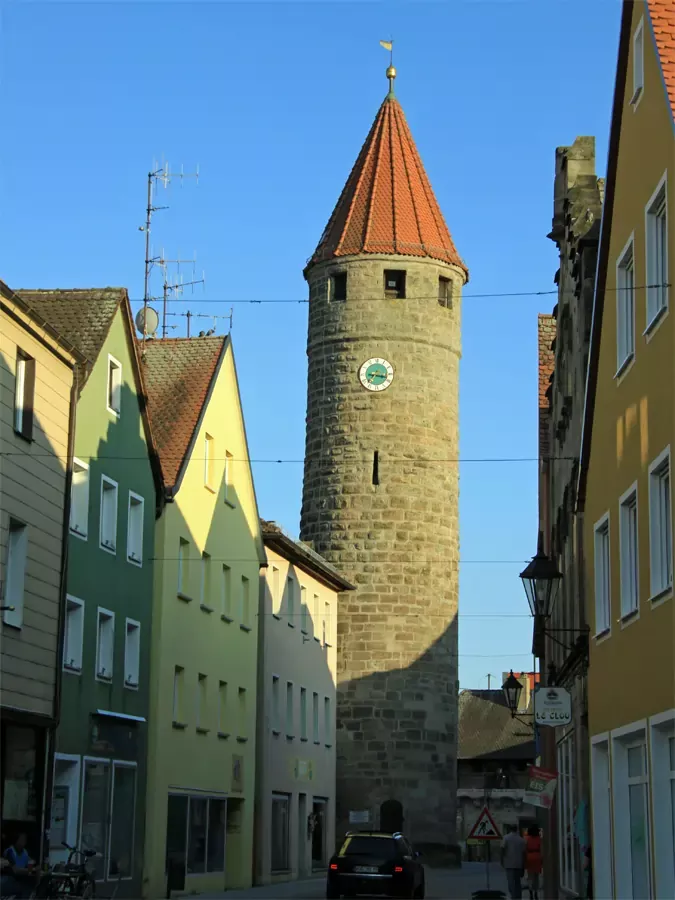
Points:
(391, 71)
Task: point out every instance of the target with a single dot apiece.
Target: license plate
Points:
(366, 870)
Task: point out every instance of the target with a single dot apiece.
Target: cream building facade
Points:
(295, 790)
(37, 387)
(208, 556)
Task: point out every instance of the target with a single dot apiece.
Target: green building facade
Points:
(99, 773)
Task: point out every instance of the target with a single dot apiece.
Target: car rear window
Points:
(365, 845)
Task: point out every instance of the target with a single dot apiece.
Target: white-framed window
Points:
(601, 842)
(602, 576)
(242, 723)
(183, 567)
(79, 500)
(24, 394)
(222, 708)
(15, 573)
(280, 832)
(630, 777)
(202, 701)
(568, 855)
(304, 610)
(327, 634)
(178, 695)
(290, 600)
(205, 582)
(316, 613)
(226, 592)
(315, 717)
(135, 529)
(108, 523)
(209, 463)
(327, 721)
(638, 63)
(114, 386)
(656, 228)
(628, 537)
(105, 644)
(245, 611)
(303, 714)
(276, 704)
(132, 654)
(660, 525)
(662, 767)
(625, 306)
(228, 479)
(275, 589)
(74, 634)
(289, 709)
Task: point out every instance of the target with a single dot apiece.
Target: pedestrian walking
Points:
(533, 860)
(514, 852)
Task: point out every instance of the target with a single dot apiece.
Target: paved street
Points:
(442, 884)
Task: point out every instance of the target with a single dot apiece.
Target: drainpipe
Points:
(63, 590)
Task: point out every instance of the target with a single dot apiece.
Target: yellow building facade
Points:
(625, 484)
(208, 557)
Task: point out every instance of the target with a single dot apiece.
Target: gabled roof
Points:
(388, 205)
(487, 730)
(302, 555)
(662, 22)
(179, 373)
(82, 315)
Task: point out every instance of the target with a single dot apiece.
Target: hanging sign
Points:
(552, 706)
(485, 828)
(541, 787)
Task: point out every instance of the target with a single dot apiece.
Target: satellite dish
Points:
(147, 321)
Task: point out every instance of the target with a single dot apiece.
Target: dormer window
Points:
(338, 286)
(445, 293)
(394, 284)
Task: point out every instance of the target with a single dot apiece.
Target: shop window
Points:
(198, 823)
(196, 854)
(20, 797)
(95, 812)
(121, 862)
(279, 832)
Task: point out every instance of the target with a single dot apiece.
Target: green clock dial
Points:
(376, 374)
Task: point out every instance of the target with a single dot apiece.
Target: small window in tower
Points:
(376, 467)
(338, 286)
(445, 292)
(394, 284)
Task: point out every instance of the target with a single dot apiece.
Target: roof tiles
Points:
(178, 374)
(388, 205)
(662, 14)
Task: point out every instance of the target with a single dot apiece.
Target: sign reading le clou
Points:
(552, 706)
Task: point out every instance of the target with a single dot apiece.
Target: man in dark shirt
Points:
(17, 872)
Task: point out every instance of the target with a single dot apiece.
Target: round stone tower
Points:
(381, 482)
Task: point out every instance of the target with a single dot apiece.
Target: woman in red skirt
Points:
(533, 861)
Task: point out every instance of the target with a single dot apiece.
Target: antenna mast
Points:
(165, 175)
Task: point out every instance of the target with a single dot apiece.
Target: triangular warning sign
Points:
(485, 827)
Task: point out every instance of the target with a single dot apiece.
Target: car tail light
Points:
(333, 866)
(398, 869)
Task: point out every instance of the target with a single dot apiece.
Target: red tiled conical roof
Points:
(387, 204)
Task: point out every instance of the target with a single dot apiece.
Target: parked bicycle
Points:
(69, 879)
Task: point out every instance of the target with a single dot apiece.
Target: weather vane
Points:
(391, 71)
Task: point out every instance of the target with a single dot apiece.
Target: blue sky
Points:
(273, 101)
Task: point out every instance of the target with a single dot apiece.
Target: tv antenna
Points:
(156, 175)
(215, 322)
(178, 286)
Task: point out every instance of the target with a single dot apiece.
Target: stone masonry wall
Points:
(397, 541)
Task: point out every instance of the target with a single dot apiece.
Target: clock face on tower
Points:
(376, 374)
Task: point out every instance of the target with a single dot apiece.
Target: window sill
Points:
(201, 730)
(131, 685)
(637, 96)
(241, 740)
(179, 726)
(326, 644)
(207, 609)
(11, 625)
(223, 735)
(304, 740)
(317, 743)
(227, 619)
(277, 616)
(111, 549)
(304, 630)
(104, 679)
(630, 617)
(276, 732)
(290, 737)
(229, 503)
(661, 596)
(245, 628)
(317, 639)
(184, 597)
(78, 534)
(135, 562)
(625, 367)
(74, 670)
(24, 437)
(655, 323)
(113, 412)
(328, 746)
(210, 489)
(602, 635)
(291, 625)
